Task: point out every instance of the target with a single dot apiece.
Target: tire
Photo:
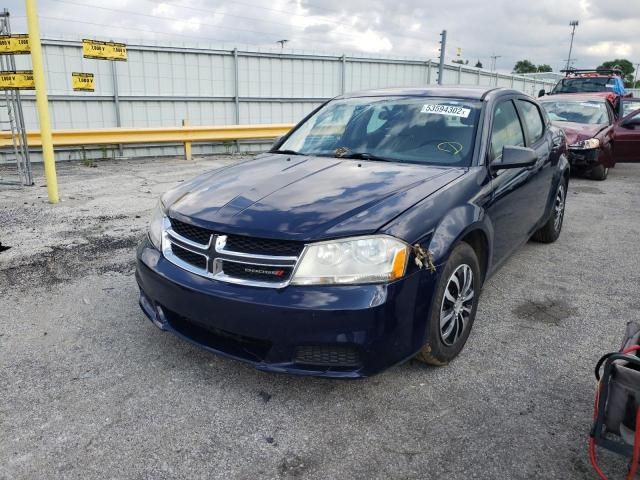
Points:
(550, 231)
(599, 172)
(444, 342)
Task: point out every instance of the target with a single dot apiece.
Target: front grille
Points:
(240, 243)
(191, 232)
(232, 258)
(328, 356)
(188, 256)
(257, 273)
(264, 246)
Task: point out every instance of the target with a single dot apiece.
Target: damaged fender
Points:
(455, 226)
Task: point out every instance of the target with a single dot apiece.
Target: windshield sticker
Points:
(590, 105)
(450, 110)
(454, 148)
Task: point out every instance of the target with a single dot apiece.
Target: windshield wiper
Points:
(287, 152)
(363, 156)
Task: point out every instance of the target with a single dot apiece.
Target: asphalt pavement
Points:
(90, 389)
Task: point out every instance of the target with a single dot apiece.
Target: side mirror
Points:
(542, 93)
(515, 157)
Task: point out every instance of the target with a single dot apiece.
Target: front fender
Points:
(562, 171)
(563, 166)
(458, 223)
(440, 220)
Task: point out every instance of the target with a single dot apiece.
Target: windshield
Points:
(432, 131)
(588, 84)
(587, 112)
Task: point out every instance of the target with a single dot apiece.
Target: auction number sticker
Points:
(450, 110)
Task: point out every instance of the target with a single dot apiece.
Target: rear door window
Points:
(506, 130)
(532, 120)
(628, 105)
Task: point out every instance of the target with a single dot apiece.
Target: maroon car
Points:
(596, 136)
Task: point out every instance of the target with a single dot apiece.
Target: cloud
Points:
(163, 10)
(513, 30)
(610, 49)
(319, 29)
(614, 9)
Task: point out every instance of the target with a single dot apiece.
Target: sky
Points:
(509, 29)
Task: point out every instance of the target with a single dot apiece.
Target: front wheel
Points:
(599, 172)
(550, 231)
(453, 308)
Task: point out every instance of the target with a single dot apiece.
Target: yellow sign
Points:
(104, 50)
(82, 82)
(14, 44)
(17, 80)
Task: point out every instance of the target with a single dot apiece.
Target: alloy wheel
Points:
(457, 304)
(558, 208)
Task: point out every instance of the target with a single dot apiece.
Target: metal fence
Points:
(161, 85)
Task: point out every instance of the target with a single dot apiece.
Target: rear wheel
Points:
(454, 307)
(550, 231)
(599, 172)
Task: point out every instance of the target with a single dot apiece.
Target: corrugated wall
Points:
(162, 85)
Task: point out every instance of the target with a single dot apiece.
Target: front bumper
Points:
(584, 158)
(334, 331)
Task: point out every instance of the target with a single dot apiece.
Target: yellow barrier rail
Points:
(184, 134)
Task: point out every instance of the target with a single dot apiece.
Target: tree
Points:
(478, 64)
(460, 61)
(545, 68)
(625, 65)
(524, 66)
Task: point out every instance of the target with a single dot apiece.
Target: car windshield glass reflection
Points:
(433, 131)
(587, 112)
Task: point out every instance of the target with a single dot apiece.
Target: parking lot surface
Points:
(90, 389)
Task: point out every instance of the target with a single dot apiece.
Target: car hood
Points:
(579, 131)
(304, 198)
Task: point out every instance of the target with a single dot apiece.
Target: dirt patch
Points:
(63, 263)
(549, 311)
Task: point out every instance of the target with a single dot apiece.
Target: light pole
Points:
(443, 46)
(494, 59)
(573, 24)
(635, 76)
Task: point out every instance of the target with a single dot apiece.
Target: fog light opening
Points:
(161, 319)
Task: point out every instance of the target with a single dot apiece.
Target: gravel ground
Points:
(90, 389)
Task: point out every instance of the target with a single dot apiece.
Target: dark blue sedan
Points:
(363, 238)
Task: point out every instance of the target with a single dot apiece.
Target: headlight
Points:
(586, 144)
(156, 225)
(353, 260)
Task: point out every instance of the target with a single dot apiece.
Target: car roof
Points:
(578, 97)
(470, 93)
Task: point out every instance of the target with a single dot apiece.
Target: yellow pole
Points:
(187, 145)
(42, 101)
